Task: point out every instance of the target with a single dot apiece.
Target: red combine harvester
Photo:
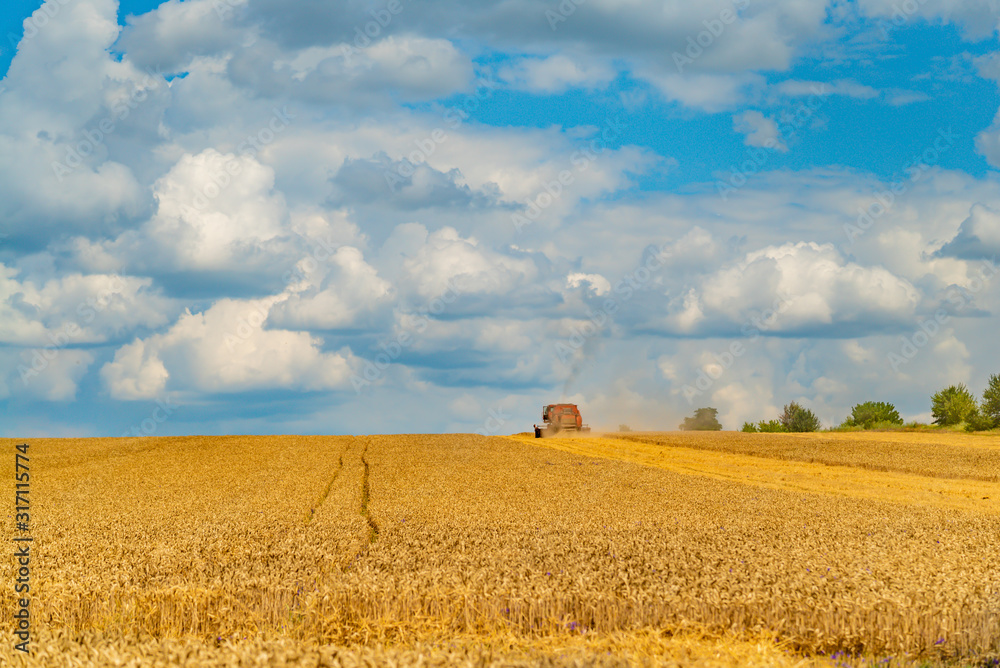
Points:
(560, 417)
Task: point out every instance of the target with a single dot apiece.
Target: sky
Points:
(402, 216)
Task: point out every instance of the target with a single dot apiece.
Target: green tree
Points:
(991, 402)
(704, 420)
(797, 418)
(977, 421)
(749, 427)
(770, 427)
(952, 405)
(871, 413)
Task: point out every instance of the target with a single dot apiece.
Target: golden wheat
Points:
(942, 454)
(288, 548)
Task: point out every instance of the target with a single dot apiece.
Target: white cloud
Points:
(759, 130)
(978, 18)
(446, 263)
(56, 379)
(978, 237)
(447, 231)
(60, 85)
(707, 92)
(76, 309)
(796, 287)
(214, 210)
(557, 73)
(334, 299)
(597, 283)
(414, 67)
(847, 88)
(224, 350)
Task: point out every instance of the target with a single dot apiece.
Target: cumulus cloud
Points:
(76, 309)
(446, 262)
(796, 289)
(401, 184)
(218, 217)
(63, 179)
(978, 237)
(177, 32)
(350, 290)
(225, 349)
(595, 282)
(298, 255)
(46, 374)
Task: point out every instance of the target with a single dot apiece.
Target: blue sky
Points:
(234, 216)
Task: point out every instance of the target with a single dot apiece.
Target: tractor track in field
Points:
(329, 486)
(373, 528)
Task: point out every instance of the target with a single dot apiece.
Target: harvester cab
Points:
(560, 417)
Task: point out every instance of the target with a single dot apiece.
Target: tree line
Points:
(954, 406)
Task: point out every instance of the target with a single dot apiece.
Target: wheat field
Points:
(649, 549)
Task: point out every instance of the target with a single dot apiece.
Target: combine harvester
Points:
(560, 417)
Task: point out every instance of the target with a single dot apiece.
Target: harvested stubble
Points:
(941, 454)
(410, 539)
